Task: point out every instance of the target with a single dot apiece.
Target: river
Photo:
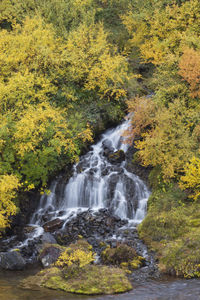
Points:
(165, 289)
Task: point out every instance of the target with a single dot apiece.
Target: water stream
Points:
(99, 180)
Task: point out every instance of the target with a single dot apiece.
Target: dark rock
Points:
(29, 229)
(50, 254)
(12, 260)
(117, 157)
(53, 225)
(61, 213)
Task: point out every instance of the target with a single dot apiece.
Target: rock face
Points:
(12, 261)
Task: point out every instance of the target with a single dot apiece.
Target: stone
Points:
(48, 238)
(12, 260)
(53, 225)
(90, 280)
(29, 229)
(50, 254)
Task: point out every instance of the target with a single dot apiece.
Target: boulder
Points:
(53, 225)
(12, 260)
(50, 254)
(48, 238)
(89, 280)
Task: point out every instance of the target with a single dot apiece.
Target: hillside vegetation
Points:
(69, 68)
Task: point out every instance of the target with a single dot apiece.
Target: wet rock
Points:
(47, 238)
(29, 229)
(12, 260)
(50, 254)
(53, 225)
(95, 225)
(117, 157)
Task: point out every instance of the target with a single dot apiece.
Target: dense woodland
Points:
(69, 68)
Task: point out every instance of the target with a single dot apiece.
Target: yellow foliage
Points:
(191, 179)
(161, 32)
(28, 64)
(8, 187)
(91, 64)
(31, 47)
(79, 257)
(167, 139)
(27, 88)
(34, 125)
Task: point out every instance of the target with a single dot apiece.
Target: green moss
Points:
(81, 279)
(182, 257)
(90, 280)
(172, 229)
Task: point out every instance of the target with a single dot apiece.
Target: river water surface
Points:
(165, 289)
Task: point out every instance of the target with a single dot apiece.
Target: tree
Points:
(160, 28)
(191, 179)
(167, 136)
(190, 70)
(8, 187)
(92, 64)
(63, 15)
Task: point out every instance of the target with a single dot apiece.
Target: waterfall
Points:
(97, 182)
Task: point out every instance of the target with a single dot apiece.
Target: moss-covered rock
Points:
(123, 255)
(73, 272)
(90, 280)
(116, 256)
(50, 253)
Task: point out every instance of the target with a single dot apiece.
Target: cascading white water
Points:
(97, 183)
